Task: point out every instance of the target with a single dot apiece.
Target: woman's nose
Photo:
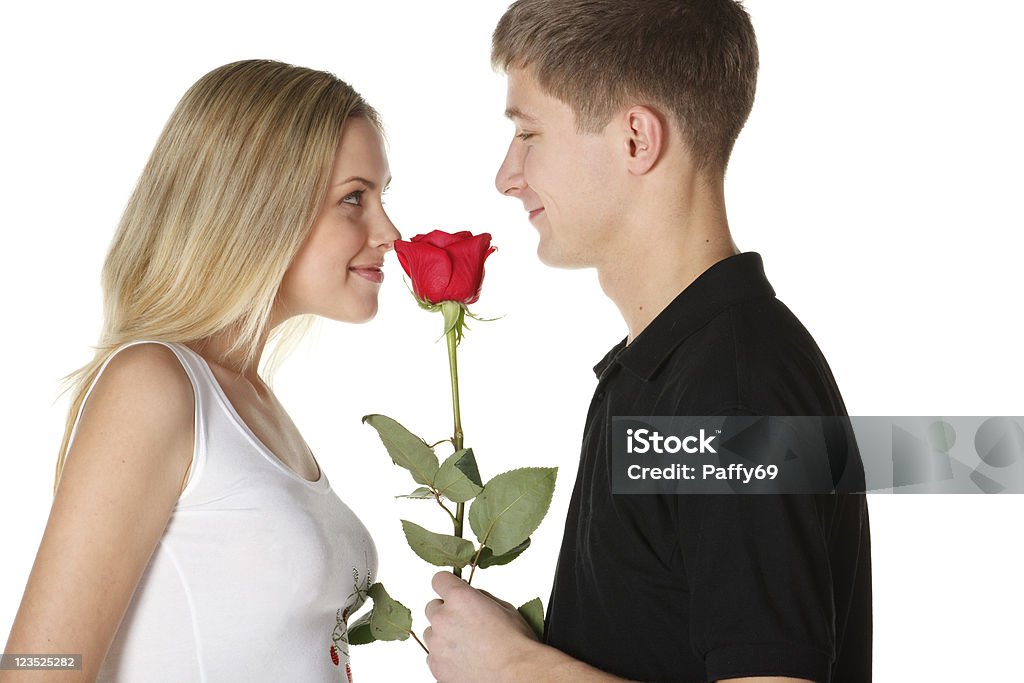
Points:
(388, 233)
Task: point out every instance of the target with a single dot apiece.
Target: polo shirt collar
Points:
(727, 282)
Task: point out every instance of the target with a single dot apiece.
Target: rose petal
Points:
(429, 267)
(467, 276)
(440, 238)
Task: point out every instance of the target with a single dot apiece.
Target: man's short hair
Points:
(693, 59)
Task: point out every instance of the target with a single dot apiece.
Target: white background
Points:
(876, 177)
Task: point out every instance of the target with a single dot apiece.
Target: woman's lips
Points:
(535, 213)
(371, 274)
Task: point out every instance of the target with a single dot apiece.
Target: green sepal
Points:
(483, 320)
(454, 319)
(425, 305)
(450, 322)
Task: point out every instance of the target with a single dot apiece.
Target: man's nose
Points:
(509, 179)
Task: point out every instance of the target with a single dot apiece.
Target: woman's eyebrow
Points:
(369, 183)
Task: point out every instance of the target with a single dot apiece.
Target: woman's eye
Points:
(355, 198)
(524, 136)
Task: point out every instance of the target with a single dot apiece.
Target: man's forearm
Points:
(546, 664)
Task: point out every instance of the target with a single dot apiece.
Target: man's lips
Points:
(535, 213)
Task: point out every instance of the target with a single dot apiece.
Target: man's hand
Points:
(473, 636)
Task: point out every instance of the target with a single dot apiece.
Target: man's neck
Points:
(662, 258)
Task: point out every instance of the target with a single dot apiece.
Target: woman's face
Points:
(336, 273)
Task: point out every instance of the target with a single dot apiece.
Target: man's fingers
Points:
(444, 582)
(497, 600)
(431, 608)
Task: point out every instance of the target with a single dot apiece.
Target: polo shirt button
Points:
(600, 396)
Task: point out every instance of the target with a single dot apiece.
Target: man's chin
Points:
(555, 259)
(547, 256)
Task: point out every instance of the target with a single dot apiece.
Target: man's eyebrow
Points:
(517, 113)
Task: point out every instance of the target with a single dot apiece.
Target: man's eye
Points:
(357, 196)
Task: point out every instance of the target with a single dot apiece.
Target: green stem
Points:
(413, 634)
(453, 368)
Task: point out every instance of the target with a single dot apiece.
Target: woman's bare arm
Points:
(121, 480)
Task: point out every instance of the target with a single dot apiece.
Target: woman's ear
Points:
(644, 138)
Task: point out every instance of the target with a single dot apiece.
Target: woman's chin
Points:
(356, 316)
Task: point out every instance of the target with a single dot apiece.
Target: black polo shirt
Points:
(704, 587)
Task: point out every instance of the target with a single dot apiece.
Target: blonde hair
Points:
(227, 198)
(696, 60)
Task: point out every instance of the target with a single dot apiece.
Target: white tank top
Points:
(257, 571)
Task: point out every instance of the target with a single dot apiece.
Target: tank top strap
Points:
(202, 391)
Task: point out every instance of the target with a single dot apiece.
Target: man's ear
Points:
(644, 138)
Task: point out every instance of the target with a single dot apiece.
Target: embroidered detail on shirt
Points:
(339, 637)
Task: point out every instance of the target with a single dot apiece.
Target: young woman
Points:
(193, 536)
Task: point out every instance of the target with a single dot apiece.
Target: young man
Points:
(626, 112)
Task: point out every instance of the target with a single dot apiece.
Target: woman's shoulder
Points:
(140, 365)
(140, 406)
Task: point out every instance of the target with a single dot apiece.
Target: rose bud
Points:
(444, 266)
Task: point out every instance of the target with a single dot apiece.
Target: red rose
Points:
(445, 267)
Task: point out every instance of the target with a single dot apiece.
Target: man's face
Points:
(565, 179)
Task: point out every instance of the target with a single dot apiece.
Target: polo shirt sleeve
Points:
(758, 573)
